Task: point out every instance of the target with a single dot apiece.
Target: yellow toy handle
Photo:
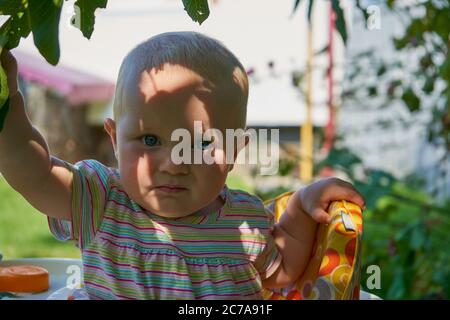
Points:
(333, 272)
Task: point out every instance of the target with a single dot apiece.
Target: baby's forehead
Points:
(184, 91)
(166, 81)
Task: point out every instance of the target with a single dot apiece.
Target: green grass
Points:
(24, 231)
(236, 182)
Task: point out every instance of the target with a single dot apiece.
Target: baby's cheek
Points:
(146, 167)
(215, 174)
(218, 156)
(135, 168)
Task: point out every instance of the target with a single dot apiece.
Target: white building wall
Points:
(397, 149)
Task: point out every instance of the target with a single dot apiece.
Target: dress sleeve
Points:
(270, 258)
(90, 188)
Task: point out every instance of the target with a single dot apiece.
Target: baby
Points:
(155, 228)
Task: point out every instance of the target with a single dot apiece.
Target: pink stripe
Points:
(208, 228)
(134, 282)
(123, 205)
(167, 272)
(174, 255)
(247, 215)
(108, 290)
(222, 281)
(219, 295)
(168, 244)
(91, 213)
(133, 225)
(119, 190)
(213, 282)
(252, 294)
(220, 241)
(182, 226)
(98, 177)
(244, 281)
(133, 267)
(179, 240)
(143, 253)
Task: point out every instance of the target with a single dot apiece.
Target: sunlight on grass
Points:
(24, 231)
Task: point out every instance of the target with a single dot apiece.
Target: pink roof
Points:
(78, 87)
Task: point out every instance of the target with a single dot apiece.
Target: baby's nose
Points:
(170, 166)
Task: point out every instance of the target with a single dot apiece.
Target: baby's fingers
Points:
(349, 193)
(321, 216)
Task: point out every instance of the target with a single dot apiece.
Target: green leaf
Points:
(297, 2)
(397, 287)
(381, 70)
(84, 18)
(372, 91)
(363, 11)
(5, 107)
(411, 100)
(198, 10)
(311, 4)
(4, 90)
(444, 70)
(400, 43)
(44, 16)
(18, 27)
(323, 50)
(428, 87)
(340, 20)
(418, 238)
(8, 7)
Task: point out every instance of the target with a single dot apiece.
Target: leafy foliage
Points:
(41, 18)
(423, 85)
(405, 231)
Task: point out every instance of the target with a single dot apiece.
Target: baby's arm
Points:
(295, 232)
(25, 161)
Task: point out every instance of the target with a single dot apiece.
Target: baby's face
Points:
(158, 103)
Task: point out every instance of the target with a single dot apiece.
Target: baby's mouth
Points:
(170, 188)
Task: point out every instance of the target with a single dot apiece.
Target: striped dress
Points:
(131, 253)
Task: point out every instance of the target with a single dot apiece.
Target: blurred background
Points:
(369, 105)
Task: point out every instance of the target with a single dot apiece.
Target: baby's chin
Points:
(168, 212)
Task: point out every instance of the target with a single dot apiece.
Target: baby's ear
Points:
(110, 128)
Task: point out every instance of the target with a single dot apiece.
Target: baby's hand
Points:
(316, 197)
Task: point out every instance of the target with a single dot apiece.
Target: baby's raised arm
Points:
(25, 161)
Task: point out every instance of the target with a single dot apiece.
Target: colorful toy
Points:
(334, 270)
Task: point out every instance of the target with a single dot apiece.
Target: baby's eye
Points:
(204, 144)
(150, 140)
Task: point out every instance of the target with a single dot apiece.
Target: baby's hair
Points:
(197, 52)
